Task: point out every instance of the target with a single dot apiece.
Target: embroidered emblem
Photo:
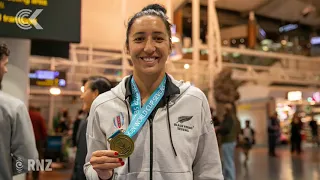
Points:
(118, 121)
(183, 119)
(180, 124)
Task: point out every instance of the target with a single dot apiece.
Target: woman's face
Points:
(149, 45)
(88, 97)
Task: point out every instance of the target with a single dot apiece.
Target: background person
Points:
(94, 86)
(17, 142)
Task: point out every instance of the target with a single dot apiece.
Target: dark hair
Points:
(4, 51)
(99, 83)
(153, 10)
(80, 111)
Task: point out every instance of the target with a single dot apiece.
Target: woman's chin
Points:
(151, 70)
(85, 108)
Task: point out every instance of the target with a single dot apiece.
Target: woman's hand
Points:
(104, 161)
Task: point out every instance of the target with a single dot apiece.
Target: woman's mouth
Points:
(149, 59)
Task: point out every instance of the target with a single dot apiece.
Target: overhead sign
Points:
(294, 95)
(41, 19)
(287, 28)
(47, 78)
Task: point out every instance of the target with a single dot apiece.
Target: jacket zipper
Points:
(151, 147)
(151, 141)
(129, 120)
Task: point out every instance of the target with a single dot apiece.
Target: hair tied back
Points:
(156, 7)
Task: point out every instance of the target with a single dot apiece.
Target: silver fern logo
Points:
(183, 119)
(19, 165)
(182, 125)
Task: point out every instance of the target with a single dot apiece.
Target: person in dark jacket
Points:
(40, 132)
(273, 133)
(314, 131)
(229, 129)
(93, 87)
(81, 116)
(296, 127)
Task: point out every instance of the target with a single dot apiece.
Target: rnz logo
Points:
(39, 165)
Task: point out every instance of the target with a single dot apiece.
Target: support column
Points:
(51, 106)
(211, 52)
(125, 64)
(252, 31)
(90, 59)
(169, 10)
(51, 114)
(178, 21)
(195, 40)
(16, 81)
(217, 39)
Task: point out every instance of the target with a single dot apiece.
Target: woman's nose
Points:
(149, 47)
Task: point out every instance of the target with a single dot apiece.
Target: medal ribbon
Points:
(140, 115)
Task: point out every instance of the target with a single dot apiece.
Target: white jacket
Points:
(193, 153)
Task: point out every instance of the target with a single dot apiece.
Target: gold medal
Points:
(123, 144)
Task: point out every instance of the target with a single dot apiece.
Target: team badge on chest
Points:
(118, 121)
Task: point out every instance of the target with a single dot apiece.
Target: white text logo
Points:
(33, 165)
(25, 18)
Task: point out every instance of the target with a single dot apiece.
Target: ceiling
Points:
(285, 10)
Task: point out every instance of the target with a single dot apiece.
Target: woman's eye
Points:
(159, 39)
(139, 39)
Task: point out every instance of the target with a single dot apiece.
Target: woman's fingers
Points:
(108, 153)
(104, 159)
(107, 166)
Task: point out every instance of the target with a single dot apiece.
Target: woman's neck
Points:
(147, 84)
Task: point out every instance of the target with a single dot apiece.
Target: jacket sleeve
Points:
(95, 141)
(207, 163)
(23, 146)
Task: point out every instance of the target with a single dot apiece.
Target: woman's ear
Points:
(96, 93)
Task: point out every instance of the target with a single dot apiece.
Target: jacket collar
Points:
(170, 90)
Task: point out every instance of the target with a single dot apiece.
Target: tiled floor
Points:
(260, 166)
(284, 167)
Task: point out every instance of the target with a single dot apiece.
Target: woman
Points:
(94, 86)
(174, 139)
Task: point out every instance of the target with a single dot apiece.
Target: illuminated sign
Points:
(47, 78)
(288, 28)
(294, 95)
(315, 40)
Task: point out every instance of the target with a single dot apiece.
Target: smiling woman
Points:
(144, 128)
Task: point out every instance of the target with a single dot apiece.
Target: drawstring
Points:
(129, 119)
(168, 119)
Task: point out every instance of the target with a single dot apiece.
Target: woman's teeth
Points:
(149, 59)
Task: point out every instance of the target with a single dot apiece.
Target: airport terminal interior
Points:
(262, 56)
